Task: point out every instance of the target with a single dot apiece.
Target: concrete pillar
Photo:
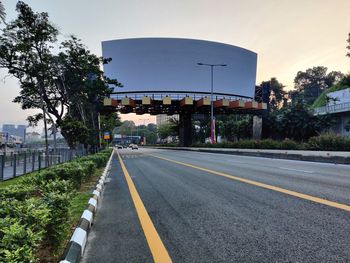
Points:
(185, 129)
(257, 127)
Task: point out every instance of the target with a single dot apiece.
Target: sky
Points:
(288, 35)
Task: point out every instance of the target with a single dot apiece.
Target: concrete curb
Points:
(259, 153)
(75, 248)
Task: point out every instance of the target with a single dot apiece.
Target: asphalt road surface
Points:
(166, 205)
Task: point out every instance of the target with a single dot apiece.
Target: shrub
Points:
(72, 171)
(268, 144)
(328, 142)
(246, 144)
(19, 192)
(35, 210)
(288, 144)
(22, 228)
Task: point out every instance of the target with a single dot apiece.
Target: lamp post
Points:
(212, 124)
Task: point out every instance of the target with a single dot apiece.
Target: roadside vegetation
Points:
(38, 211)
(323, 142)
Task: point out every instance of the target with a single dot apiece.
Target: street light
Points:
(212, 124)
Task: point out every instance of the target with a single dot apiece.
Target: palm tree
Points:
(2, 12)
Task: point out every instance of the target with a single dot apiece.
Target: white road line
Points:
(296, 170)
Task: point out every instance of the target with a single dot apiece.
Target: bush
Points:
(35, 210)
(288, 144)
(268, 144)
(323, 142)
(22, 228)
(328, 142)
(19, 192)
(72, 171)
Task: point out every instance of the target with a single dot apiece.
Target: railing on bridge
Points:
(329, 109)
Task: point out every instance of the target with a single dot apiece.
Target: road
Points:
(166, 205)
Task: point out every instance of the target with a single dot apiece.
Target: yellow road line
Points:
(158, 250)
(262, 185)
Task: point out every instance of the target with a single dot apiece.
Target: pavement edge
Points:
(75, 248)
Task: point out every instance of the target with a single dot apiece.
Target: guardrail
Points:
(329, 109)
(15, 164)
(176, 95)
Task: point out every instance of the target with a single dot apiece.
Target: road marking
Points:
(158, 250)
(262, 185)
(296, 170)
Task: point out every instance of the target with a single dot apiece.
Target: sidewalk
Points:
(312, 156)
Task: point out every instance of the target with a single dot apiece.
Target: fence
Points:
(18, 163)
(342, 107)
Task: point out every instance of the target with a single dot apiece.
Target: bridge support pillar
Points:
(257, 127)
(185, 129)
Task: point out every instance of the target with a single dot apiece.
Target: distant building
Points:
(338, 106)
(50, 134)
(15, 130)
(164, 118)
(32, 136)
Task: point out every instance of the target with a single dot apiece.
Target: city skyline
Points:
(287, 36)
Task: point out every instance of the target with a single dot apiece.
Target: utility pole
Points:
(212, 122)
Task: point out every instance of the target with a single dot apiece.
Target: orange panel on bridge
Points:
(221, 103)
(262, 106)
(251, 105)
(203, 102)
(236, 104)
(186, 101)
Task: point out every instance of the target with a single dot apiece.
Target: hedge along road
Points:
(221, 208)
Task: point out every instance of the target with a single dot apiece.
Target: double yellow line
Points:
(158, 250)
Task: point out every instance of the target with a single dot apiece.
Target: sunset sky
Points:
(288, 36)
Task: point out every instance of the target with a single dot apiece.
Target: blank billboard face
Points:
(170, 64)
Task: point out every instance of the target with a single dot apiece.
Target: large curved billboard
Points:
(170, 64)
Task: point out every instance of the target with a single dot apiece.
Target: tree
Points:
(127, 128)
(167, 129)
(309, 84)
(25, 50)
(235, 127)
(109, 122)
(84, 83)
(276, 92)
(70, 83)
(348, 47)
(296, 122)
(75, 131)
(2, 12)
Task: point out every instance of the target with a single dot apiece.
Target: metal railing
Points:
(17, 163)
(176, 95)
(336, 108)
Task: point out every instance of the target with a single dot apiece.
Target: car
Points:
(134, 147)
(119, 146)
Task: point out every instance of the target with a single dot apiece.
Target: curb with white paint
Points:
(75, 248)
